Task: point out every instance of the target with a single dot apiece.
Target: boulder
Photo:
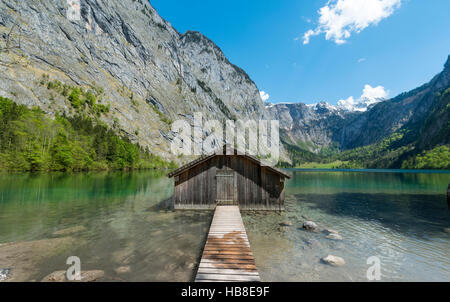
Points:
(286, 224)
(334, 260)
(310, 226)
(86, 276)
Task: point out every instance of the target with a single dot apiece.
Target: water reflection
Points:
(125, 223)
(401, 218)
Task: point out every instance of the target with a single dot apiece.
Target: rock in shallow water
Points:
(312, 243)
(69, 231)
(333, 236)
(25, 256)
(86, 276)
(334, 260)
(310, 226)
(330, 231)
(123, 270)
(286, 224)
(4, 273)
(283, 229)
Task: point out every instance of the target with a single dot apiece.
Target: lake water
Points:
(122, 220)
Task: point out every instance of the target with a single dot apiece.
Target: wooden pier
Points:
(227, 256)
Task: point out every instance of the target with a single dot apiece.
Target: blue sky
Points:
(394, 45)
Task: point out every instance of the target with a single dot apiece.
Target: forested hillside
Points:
(30, 140)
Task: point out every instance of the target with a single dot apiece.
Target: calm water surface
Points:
(122, 220)
(399, 217)
(112, 220)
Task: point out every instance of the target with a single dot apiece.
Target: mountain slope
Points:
(406, 110)
(146, 72)
(387, 135)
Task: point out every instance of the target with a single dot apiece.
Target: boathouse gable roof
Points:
(223, 152)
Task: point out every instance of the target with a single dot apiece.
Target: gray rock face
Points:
(314, 125)
(136, 57)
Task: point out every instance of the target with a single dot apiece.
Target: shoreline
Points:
(369, 170)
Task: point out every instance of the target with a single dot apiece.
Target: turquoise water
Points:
(401, 218)
(120, 220)
(123, 220)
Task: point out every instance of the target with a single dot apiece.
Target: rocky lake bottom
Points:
(122, 229)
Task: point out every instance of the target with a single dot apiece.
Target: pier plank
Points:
(227, 255)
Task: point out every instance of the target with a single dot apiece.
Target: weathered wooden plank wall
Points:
(256, 188)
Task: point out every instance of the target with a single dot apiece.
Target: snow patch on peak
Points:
(369, 98)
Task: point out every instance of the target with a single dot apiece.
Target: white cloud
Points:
(374, 94)
(340, 18)
(361, 60)
(348, 104)
(370, 96)
(307, 36)
(264, 96)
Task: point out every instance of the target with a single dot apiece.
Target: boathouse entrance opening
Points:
(226, 187)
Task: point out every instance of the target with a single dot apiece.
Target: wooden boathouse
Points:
(227, 182)
(228, 177)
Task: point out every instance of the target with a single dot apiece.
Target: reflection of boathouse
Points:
(237, 179)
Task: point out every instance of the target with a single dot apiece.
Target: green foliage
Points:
(78, 97)
(75, 98)
(91, 99)
(388, 153)
(437, 158)
(32, 141)
(298, 155)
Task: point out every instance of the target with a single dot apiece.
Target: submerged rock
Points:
(334, 236)
(124, 256)
(69, 231)
(447, 230)
(25, 256)
(189, 265)
(286, 224)
(4, 273)
(123, 270)
(283, 229)
(86, 276)
(312, 243)
(330, 231)
(334, 260)
(310, 226)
